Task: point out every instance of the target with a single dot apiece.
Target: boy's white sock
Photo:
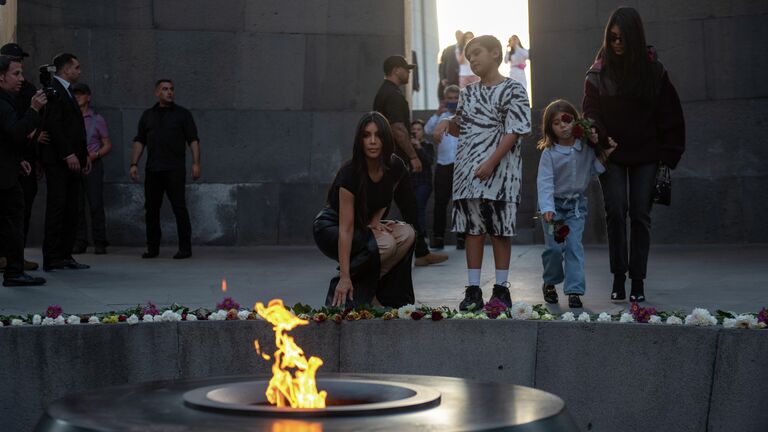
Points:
(473, 276)
(501, 276)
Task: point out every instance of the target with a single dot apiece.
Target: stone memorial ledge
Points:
(613, 376)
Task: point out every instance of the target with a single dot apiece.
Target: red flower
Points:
(577, 131)
(437, 315)
(122, 318)
(417, 315)
(53, 311)
(566, 118)
(184, 316)
(561, 232)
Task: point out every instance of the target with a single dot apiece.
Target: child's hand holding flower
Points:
(548, 216)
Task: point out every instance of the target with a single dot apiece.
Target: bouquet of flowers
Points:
(559, 230)
(581, 128)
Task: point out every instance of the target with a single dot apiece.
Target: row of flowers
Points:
(229, 310)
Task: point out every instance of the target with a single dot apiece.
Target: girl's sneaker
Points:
(550, 293)
(574, 301)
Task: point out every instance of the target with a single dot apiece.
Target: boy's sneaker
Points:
(501, 292)
(473, 295)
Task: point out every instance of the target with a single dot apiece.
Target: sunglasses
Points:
(613, 38)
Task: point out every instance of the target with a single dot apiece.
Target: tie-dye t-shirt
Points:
(487, 114)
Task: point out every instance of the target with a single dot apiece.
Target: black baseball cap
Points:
(396, 61)
(81, 88)
(13, 50)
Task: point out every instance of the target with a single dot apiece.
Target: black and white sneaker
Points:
(473, 299)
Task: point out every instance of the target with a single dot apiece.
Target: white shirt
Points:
(65, 83)
(446, 150)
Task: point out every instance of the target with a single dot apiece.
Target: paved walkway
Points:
(731, 277)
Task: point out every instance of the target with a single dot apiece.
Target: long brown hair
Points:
(548, 137)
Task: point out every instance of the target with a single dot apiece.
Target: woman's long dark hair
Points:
(632, 72)
(360, 165)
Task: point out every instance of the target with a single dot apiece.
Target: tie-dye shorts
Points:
(476, 216)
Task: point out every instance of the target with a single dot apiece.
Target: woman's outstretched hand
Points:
(343, 290)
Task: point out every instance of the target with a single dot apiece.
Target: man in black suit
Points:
(64, 159)
(449, 66)
(13, 137)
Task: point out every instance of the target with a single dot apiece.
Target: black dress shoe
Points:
(638, 291)
(182, 254)
(618, 293)
(74, 265)
(550, 293)
(574, 302)
(23, 280)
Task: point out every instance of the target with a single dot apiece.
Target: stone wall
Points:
(713, 52)
(275, 86)
(627, 377)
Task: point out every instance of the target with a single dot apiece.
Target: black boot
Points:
(618, 294)
(638, 291)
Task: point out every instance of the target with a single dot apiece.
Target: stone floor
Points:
(731, 277)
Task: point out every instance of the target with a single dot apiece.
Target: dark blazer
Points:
(449, 66)
(13, 133)
(66, 127)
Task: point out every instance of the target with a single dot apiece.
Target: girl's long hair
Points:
(359, 163)
(548, 137)
(513, 47)
(632, 72)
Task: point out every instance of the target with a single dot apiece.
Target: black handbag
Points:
(663, 194)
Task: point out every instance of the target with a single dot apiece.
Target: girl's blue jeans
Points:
(570, 252)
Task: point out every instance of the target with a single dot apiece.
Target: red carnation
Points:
(122, 318)
(437, 315)
(566, 118)
(561, 232)
(577, 131)
(417, 315)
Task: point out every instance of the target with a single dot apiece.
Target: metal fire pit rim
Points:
(424, 398)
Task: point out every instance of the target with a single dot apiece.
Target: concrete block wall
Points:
(627, 377)
(711, 51)
(276, 88)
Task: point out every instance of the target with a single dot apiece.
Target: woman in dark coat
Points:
(631, 99)
(374, 254)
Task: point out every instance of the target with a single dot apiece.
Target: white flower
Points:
(654, 319)
(673, 320)
(547, 317)
(535, 315)
(60, 320)
(304, 317)
(405, 311)
(133, 319)
(741, 321)
(148, 318)
(1, 324)
(700, 317)
(243, 315)
(169, 316)
(94, 320)
(626, 318)
(220, 315)
(568, 316)
(521, 311)
(457, 315)
(502, 316)
(191, 317)
(16, 322)
(37, 319)
(73, 319)
(584, 317)
(761, 325)
(604, 317)
(47, 321)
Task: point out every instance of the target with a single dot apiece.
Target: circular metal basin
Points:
(346, 397)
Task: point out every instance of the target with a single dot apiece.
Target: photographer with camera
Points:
(13, 137)
(65, 159)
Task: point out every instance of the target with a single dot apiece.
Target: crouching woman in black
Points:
(374, 255)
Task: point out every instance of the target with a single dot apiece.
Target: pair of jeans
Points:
(93, 188)
(422, 192)
(574, 213)
(12, 230)
(629, 190)
(171, 183)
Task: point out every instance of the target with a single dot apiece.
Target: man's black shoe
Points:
(151, 253)
(23, 280)
(438, 243)
(574, 302)
(182, 254)
(550, 293)
(460, 244)
(74, 265)
(79, 248)
(501, 292)
(473, 295)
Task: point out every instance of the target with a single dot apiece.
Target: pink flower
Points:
(762, 317)
(494, 308)
(150, 309)
(227, 303)
(641, 314)
(53, 311)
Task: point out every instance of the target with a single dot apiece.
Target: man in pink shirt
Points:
(99, 145)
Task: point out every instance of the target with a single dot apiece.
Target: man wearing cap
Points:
(391, 103)
(99, 145)
(13, 137)
(28, 181)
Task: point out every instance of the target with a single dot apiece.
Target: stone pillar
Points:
(7, 21)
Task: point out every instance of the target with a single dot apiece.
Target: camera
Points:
(46, 78)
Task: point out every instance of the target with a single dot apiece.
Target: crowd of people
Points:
(631, 128)
(54, 134)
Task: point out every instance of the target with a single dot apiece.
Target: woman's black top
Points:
(379, 194)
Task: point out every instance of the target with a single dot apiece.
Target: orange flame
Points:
(285, 390)
(223, 285)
